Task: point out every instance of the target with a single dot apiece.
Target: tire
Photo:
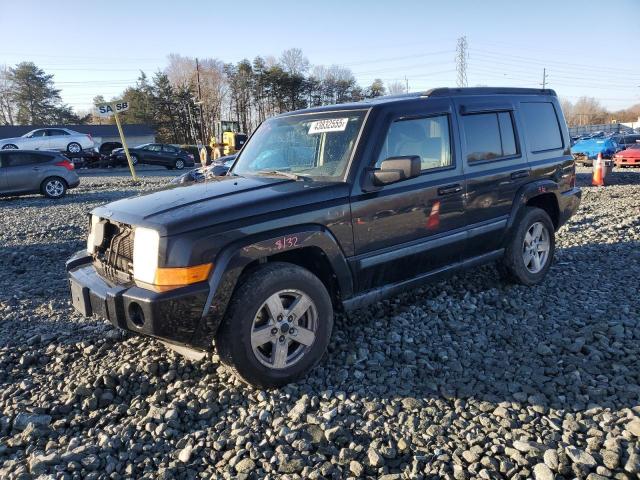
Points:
(262, 301)
(178, 164)
(74, 147)
(514, 267)
(9, 146)
(134, 160)
(53, 187)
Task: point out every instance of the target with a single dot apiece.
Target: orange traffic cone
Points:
(598, 172)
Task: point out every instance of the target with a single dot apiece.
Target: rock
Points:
(185, 454)
(470, 457)
(375, 459)
(356, 468)
(543, 350)
(294, 465)
(580, 457)
(542, 472)
(633, 427)
(245, 465)
(23, 419)
(551, 459)
(339, 435)
(611, 459)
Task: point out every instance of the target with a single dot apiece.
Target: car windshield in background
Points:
(317, 145)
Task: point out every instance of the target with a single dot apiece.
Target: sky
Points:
(99, 47)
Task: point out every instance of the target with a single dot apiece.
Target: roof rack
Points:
(447, 92)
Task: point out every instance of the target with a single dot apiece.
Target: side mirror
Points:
(396, 169)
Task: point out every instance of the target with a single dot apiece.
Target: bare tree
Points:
(294, 62)
(7, 105)
(396, 88)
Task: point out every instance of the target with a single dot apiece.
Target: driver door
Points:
(37, 141)
(415, 226)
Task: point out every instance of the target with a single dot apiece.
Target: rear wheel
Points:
(53, 187)
(178, 164)
(9, 146)
(529, 254)
(74, 147)
(277, 326)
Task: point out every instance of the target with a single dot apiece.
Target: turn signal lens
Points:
(182, 275)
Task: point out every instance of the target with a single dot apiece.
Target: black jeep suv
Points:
(333, 208)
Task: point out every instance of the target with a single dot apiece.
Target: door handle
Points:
(36, 168)
(449, 189)
(520, 174)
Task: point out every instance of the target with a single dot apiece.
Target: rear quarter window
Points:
(542, 127)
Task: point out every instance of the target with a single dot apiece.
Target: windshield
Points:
(317, 145)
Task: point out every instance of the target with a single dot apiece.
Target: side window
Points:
(541, 123)
(55, 132)
(489, 136)
(39, 133)
(426, 137)
(154, 148)
(18, 159)
(169, 149)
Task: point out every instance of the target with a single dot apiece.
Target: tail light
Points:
(66, 164)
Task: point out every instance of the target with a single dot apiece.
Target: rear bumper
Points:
(173, 315)
(568, 203)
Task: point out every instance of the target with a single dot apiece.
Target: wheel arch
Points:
(311, 247)
(542, 194)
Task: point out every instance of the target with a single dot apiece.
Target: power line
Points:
(462, 55)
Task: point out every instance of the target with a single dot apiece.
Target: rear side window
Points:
(54, 132)
(542, 127)
(426, 137)
(489, 136)
(170, 149)
(19, 159)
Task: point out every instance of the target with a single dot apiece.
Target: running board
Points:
(377, 294)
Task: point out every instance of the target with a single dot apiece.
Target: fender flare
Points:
(234, 258)
(526, 193)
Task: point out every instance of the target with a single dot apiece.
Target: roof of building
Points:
(133, 130)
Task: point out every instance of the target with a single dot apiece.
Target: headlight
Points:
(145, 254)
(91, 238)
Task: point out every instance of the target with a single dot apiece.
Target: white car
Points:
(60, 139)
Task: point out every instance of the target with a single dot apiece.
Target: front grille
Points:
(115, 254)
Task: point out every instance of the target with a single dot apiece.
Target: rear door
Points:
(169, 154)
(153, 154)
(495, 168)
(58, 139)
(412, 227)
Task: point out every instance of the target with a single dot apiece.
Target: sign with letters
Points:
(107, 109)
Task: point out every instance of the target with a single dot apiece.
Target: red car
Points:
(629, 157)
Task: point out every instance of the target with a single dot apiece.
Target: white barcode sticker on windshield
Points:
(328, 125)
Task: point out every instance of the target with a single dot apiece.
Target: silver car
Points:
(60, 139)
(29, 171)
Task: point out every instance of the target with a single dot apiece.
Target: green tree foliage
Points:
(35, 99)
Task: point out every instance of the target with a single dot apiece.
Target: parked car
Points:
(60, 139)
(329, 208)
(218, 168)
(626, 140)
(586, 151)
(163, 154)
(30, 171)
(629, 157)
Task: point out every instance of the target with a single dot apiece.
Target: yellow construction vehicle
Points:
(227, 138)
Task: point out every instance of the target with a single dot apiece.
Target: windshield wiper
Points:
(292, 176)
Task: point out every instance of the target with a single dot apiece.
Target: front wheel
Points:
(530, 251)
(277, 326)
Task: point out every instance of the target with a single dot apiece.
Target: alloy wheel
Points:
(54, 188)
(535, 248)
(284, 329)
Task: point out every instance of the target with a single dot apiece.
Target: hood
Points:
(219, 200)
(630, 153)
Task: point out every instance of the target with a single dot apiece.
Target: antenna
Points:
(462, 55)
(544, 78)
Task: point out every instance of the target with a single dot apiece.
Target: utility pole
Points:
(544, 78)
(462, 55)
(406, 81)
(200, 104)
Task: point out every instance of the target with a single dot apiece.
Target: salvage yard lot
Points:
(468, 377)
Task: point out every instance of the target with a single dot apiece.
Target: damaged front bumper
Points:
(172, 316)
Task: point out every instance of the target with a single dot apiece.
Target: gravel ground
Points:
(465, 379)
